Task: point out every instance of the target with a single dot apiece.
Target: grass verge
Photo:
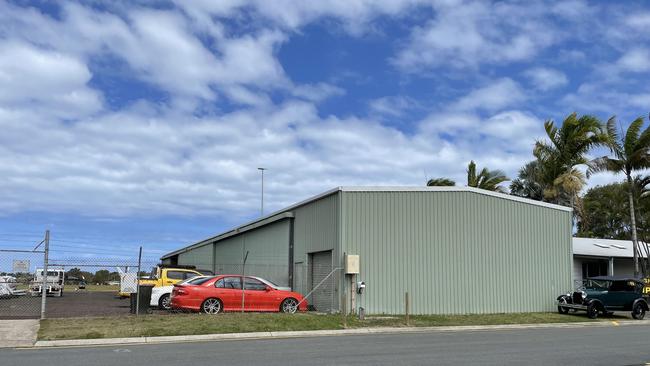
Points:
(190, 324)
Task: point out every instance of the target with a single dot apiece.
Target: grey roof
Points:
(277, 214)
(616, 278)
(594, 247)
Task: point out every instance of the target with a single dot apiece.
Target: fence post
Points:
(44, 281)
(137, 281)
(406, 303)
(243, 283)
(345, 315)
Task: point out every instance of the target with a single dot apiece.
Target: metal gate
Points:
(320, 266)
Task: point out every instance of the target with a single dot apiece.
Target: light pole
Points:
(262, 208)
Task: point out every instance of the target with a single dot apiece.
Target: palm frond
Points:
(471, 174)
(632, 136)
(604, 164)
(440, 182)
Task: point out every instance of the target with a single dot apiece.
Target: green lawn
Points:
(187, 324)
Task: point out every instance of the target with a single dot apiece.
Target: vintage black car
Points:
(606, 294)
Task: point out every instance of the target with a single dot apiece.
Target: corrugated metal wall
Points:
(200, 257)
(456, 252)
(268, 256)
(316, 229)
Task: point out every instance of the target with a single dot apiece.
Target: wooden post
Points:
(344, 308)
(353, 295)
(406, 303)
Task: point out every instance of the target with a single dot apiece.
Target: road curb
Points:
(323, 333)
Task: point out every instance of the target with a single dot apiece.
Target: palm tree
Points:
(630, 154)
(485, 179)
(440, 182)
(528, 182)
(567, 147)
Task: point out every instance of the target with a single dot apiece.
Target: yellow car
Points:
(165, 276)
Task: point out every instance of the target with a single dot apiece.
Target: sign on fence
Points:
(20, 265)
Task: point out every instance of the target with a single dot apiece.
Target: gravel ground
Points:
(72, 304)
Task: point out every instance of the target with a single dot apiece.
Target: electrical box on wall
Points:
(351, 264)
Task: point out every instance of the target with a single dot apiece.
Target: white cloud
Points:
(354, 15)
(393, 106)
(544, 78)
(317, 92)
(640, 20)
(498, 94)
(33, 77)
(161, 47)
(635, 60)
(473, 33)
(162, 158)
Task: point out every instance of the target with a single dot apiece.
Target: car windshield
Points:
(591, 284)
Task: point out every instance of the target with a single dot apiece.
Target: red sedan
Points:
(224, 293)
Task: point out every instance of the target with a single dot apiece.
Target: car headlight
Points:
(584, 294)
(568, 294)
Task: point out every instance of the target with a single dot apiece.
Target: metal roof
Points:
(616, 278)
(594, 247)
(278, 214)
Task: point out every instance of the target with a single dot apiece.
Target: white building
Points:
(601, 257)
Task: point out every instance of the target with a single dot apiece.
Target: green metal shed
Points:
(455, 250)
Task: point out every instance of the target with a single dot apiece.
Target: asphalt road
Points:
(609, 346)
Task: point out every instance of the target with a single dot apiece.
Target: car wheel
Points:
(561, 309)
(164, 302)
(592, 311)
(638, 312)
(212, 306)
(289, 305)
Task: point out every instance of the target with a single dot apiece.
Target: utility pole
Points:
(44, 280)
(262, 208)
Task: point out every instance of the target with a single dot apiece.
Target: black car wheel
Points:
(592, 311)
(561, 309)
(638, 312)
(164, 303)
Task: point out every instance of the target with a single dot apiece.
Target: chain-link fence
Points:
(90, 285)
(86, 285)
(19, 286)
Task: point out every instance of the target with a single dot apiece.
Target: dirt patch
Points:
(70, 305)
(83, 304)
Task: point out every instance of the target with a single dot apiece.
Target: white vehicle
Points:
(54, 282)
(160, 295)
(8, 285)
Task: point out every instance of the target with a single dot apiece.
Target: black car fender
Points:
(597, 303)
(642, 301)
(565, 297)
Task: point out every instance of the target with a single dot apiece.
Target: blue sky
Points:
(142, 123)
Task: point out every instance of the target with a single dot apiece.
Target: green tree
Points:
(73, 273)
(566, 148)
(485, 179)
(440, 182)
(102, 276)
(528, 182)
(630, 154)
(607, 213)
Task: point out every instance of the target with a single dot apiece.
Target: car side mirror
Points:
(268, 288)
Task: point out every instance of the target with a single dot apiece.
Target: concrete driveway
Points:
(18, 333)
